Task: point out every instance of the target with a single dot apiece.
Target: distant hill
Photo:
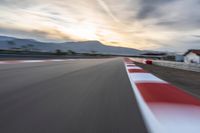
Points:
(11, 43)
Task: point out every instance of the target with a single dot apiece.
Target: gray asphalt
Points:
(80, 96)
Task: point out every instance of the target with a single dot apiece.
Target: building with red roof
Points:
(192, 56)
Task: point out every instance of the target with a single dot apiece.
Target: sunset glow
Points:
(141, 24)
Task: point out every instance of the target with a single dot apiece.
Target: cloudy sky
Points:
(143, 24)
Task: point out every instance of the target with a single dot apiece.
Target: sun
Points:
(83, 31)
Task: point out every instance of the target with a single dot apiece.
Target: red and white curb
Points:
(165, 108)
(143, 61)
(33, 61)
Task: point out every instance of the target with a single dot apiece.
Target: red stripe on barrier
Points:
(136, 71)
(165, 93)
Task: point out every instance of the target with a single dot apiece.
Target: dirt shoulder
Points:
(187, 80)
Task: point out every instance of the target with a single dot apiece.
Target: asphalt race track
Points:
(74, 96)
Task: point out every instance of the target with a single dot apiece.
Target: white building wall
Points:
(192, 58)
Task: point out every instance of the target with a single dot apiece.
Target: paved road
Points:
(78, 96)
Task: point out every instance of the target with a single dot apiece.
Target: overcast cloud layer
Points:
(144, 24)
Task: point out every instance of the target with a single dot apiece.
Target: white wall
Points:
(191, 57)
(178, 65)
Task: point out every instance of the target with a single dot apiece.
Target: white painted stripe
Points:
(2, 62)
(130, 64)
(71, 59)
(145, 77)
(177, 118)
(62, 60)
(32, 61)
(57, 60)
(134, 67)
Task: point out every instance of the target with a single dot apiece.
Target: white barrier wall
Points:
(172, 64)
(178, 65)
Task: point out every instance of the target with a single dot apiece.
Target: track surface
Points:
(80, 96)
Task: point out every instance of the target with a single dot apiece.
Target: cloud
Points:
(173, 14)
(150, 8)
(107, 10)
(46, 35)
(16, 3)
(142, 24)
(197, 36)
(182, 46)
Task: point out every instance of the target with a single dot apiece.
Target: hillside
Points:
(11, 43)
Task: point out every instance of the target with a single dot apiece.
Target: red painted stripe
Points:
(136, 71)
(165, 93)
(127, 60)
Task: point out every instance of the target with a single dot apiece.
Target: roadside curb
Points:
(165, 108)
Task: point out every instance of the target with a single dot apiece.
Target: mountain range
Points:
(12, 43)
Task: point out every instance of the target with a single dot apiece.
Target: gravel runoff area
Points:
(187, 80)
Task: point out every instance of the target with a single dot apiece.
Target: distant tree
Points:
(93, 52)
(71, 52)
(30, 47)
(58, 52)
(24, 48)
